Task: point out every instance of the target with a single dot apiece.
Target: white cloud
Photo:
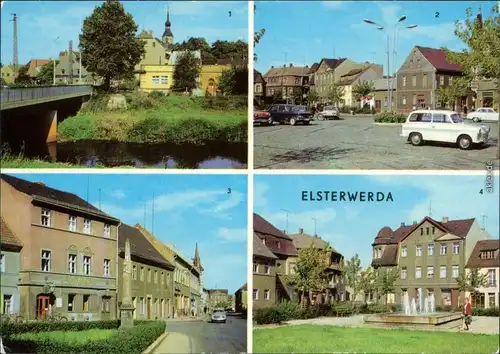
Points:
(118, 194)
(233, 235)
(334, 4)
(259, 194)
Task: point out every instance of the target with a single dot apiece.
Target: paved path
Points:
(204, 337)
(480, 324)
(355, 143)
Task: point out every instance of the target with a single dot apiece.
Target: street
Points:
(205, 337)
(353, 142)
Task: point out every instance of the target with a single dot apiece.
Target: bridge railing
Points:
(32, 93)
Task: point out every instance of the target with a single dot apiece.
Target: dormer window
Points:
(487, 255)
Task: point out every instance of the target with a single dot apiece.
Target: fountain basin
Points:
(431, 320)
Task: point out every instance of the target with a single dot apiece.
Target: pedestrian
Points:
(467, 314)
(465, 110)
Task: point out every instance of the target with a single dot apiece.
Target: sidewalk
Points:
(174, 343)
(188, 319)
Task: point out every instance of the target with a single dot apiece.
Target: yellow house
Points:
(9, 73)
(156, 78)
(209, 78)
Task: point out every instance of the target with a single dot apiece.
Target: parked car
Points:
(442, 126)
(262, 117)
(483, 115)
(218, 315)
(329, 112)
(288, 113)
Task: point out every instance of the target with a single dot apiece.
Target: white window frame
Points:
(163, 80)
(443, 249)
(155, 80)
(430, 272)
(46, 255)
(107, 230)
(87, 226)
(418, 251)
(46, 217)
(455, 271)
(86, 261)
(255, 294)
(107, 267)
(404, 273)
(267, 268)
(72, 263)
(2, 263)
(456, 248)
(418, 272)
(72, 220)
(430, 249)
(441, 269)
(404, 251)
(267, 294)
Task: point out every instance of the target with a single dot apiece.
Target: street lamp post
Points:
(382, 28)
(395, 58)
(54, 62)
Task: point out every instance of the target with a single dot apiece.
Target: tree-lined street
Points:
(354, 142)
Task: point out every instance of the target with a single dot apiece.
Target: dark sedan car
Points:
(288, 113)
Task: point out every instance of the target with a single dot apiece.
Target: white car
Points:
(484, 115)
(442, 126)
(218, 315)
(329, 112)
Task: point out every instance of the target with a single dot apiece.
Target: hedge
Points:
(390, 117)
(10, 328)
(132, 340)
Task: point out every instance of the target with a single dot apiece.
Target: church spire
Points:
(196, 255)
(168, 24)
(168, 37)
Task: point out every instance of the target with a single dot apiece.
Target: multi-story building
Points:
(419, 78)
(259, 87)
(381, 96)
(286, 82)
(281, 245)
(486, 257)
(34, 66)
(196, 284)
(429, 255)
(10, 248)
(9, 73)
(240, 299)
(152, 276)
(70, 266)
(354, 77)
(334, 267)
(69, 70)
(264, 275)
(218, 298)
(486, 93)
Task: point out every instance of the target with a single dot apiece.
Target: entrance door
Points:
(42, 306)
(148, 309)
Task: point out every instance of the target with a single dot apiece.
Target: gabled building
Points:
(333, 267)
(355, 77)
(10, 248)
(281, 245)
(419, 78)
(35, 65)
(70, 266)
(259, 87)
(69, 70)
(429, 255)
(152, 276)
(486, 257)
(9, 73)
(287, 82)
(241, 299)
(312, 77)
(264, 275)
(218, 298)
(380, 95)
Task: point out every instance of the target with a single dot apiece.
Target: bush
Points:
(390, 117)
(133, 340)
(10, 328)
(493, 312)
(225, 103)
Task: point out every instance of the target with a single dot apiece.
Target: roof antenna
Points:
(430, 208)
(483, 217)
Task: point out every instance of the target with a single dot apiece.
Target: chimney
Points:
(301, 231)
(291, 65)
(272, 66)
(40, 183)
(445, 219)
(315, 235)
(403, 224)
(284, 231)
(284, 65)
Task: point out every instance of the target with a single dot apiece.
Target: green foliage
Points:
(336, 94)
(237, 50)
(131, 84)
(389, 117)
(257, 37)
(471, 280)
(362, 89)
(223, 305)
(385, 281)
(352, 269)
(22, 76)
(277, 96)
(46, 74)
(298, 95)
(225, 103)
(186, 72)
(312, 96)
(450, 94)
(368, 278)
(10, 328)
(109, 44)
(234, 81)
(132, 340)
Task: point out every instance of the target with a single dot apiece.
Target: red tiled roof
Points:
(257, 77)
(333, 63)
(438, 59)
(475, 259)
(7, 237)
(313, 68)
(260, 249)
(273, 237)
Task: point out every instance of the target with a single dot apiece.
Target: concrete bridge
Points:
(32, 114)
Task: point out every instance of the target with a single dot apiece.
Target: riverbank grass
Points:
(321, 339)
(81, 337)
(157, 118)
(8, 161)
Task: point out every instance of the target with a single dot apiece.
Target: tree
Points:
(312, 96)
(186, 72)
(309, 273)
(386, 281)
(109, 44)
(22, 77)
(481, 58)
(277, 96)
(197, 43)
(234, 81)
(472, 280)
(368, 279)
(298, 95)
(451, 93)
(362, 89)
(336, 94)
(351, 270)
(46, 74)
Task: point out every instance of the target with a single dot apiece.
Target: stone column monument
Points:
(127, 308)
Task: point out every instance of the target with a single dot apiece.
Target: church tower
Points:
(168, 37)
(196, 259)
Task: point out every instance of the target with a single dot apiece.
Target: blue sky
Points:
(352, 227)
(310, 30)
(41, 22)
(188, 209)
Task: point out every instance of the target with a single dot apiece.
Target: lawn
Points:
(321, 339)
(7, 161)
(68, 336)
(159, 119)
